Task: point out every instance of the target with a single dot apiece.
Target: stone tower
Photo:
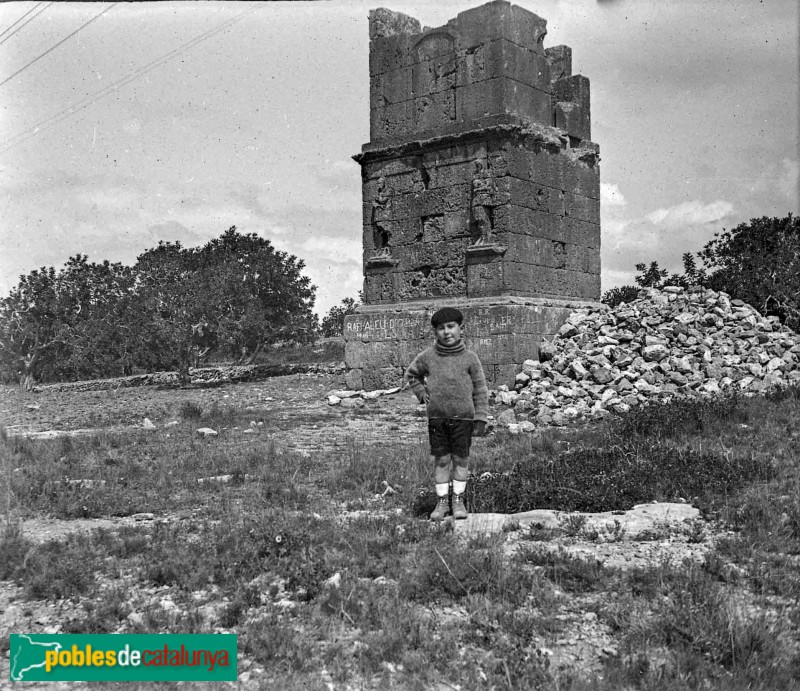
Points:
(481, 190)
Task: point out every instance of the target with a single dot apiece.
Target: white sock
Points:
(442, 489)
(459, 486)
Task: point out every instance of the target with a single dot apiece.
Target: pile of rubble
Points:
(665, 343)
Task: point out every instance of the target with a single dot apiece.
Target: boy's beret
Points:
(446, 314)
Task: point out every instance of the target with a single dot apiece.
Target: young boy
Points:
(450, 380)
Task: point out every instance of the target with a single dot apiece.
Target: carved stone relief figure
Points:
(381, 233)
(381, 212)
(482, 202)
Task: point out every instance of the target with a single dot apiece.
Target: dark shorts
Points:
(450, 436)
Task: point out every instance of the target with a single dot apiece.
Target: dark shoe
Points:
(441, 510)
(459, 510)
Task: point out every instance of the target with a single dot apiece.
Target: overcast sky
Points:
(694, 105)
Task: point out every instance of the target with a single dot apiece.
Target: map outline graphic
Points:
(16, 675)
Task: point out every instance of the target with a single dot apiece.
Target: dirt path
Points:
(293, 409)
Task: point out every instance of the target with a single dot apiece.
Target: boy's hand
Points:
(423, 398)
(479, 428)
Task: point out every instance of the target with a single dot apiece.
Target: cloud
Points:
(610, 195)
(663, 235)
(333, 263)
(690, 213)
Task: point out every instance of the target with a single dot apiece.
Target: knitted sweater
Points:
(454, 380)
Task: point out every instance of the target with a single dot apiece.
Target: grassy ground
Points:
(413, 604)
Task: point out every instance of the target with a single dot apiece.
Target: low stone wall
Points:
(206, 376)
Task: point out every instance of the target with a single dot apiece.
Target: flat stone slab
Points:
(641, 519)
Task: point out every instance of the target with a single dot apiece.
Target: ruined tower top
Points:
(480, 187)
(487, 66)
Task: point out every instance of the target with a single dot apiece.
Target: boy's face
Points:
(448, 333)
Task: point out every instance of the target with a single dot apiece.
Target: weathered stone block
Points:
(380, 287)
(434, 111)
(586, 180)
(439, 201)
(384, 23)
(485, 277)
(431, 283)
(537, 196)
(441, 175)
(472, 62)
(407, 231)
(582, 233)
(555, 254)
(387, 168)
(582, 208)
(373, 238)
(543, 166)
(393, 86)
(501, 58)
(388, 53)
(432, 228)
(475, 101)
(525, 221)
(433, 75)
(573, 119)
(497, 20)
(392, 121)
(422, 255)
(539, 281)
(456, 224)
(433, 43)
(526, 101)
(572, 106)
(574, 89)
(560, 58)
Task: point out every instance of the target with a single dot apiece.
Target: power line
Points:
(8, 28)
(26, 23)
(92, 98)
(80, 28)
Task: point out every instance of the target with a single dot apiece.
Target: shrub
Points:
(616, 296)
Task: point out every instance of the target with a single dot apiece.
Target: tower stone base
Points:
(382, 340)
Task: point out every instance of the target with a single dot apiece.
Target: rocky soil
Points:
(666, 343)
